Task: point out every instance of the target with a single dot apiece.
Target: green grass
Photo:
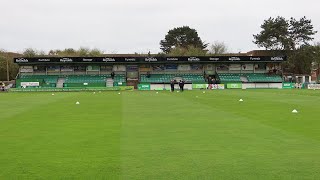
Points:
(144, 135)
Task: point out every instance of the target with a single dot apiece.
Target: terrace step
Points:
(244, 79)
(110, 82)
(60, 82)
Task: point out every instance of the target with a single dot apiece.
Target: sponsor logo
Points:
(22, 60)
(255, 58)
(192, 59)
(44, 60)
(276, 58)
(313, 86)
(234, 59)
(234, 86)
(25, 84)
(130, 59)
(109, 60)
(214, 59)
(65, 60)
(172, 59)
(87, 60)
(150, 59)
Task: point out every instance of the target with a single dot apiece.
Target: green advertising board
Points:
(118, 88)
(199, 86)
(234, 86)
(144, 87)
(205, 86)
(66, 89)
(287, 85)
(160, 89)
(126, 88)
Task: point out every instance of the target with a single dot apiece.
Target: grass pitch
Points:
(144, 135)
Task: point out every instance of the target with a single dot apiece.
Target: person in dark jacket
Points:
(112, 75)
(181, 85)
(172, 85)
(2, 86)
(209, 83)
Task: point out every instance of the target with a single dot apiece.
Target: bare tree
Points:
(218, 48)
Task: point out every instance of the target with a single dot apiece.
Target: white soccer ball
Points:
(157, 92)
(77, 102)
(52, 94)
(203, 92)
(294, 111)
(119, 93)
(241, 100)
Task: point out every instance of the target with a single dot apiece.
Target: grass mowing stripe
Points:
(271, 109)
(144, 135)
(64, 140)
(187, 139)
(22, 102)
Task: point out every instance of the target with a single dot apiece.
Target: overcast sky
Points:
(128, 26)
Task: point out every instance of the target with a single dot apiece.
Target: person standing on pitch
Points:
(181, 85)
(209, 83)
(2, 86)
(112, 75)
(172, 85)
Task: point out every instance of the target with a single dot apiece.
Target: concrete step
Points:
(60, 82)
(244, 79)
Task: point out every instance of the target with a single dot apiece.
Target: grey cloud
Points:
(127, 26)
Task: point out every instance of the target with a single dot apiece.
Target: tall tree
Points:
(274, 34)
(300, 60)
(218, 48)
(68, 52)
(281, 34)
(289, 36)
(83, 51)
(30, 52)
(301, 32)
(181, 37)
(190, 51)
(316, 51)
(7, 58)
(95, 52)
(3, 66)
(316, 58)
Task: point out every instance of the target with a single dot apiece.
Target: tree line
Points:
(291, 37)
